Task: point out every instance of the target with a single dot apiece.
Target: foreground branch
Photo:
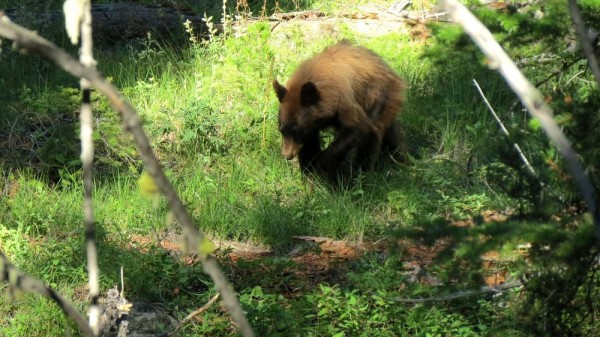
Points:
(483, 290)
(531, 98)
(33, 43)
(18, 279)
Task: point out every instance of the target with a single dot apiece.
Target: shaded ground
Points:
(314, 260)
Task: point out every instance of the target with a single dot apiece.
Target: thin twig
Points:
(466, 293)
(87, 159)
(565, 66)
(20, 280)
(531, 98)
(588, 50)
(122, 294)
(504, 130)
(195, 313)
(33, 43)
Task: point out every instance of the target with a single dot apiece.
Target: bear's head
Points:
(298, 110)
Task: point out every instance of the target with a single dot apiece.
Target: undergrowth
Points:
(209, 110)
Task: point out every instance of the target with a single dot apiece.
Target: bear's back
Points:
(343, 67)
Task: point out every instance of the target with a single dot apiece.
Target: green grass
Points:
(211, 115)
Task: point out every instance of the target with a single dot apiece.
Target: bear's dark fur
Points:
(349, 89)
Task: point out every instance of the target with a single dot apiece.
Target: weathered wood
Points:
(124, 20)
(119, 21)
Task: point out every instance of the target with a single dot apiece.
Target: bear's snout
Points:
(289, 149)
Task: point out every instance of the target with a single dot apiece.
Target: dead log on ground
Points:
(121, 21)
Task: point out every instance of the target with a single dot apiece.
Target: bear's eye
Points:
(290, 130)
(285, 129)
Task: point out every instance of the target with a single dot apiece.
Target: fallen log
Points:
(122, 21)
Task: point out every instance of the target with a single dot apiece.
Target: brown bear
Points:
(346, 88)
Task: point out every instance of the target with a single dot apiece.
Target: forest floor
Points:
(320, 259)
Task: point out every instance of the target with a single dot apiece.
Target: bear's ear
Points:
(280, 90)
(309, 94)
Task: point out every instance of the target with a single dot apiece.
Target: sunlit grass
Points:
(211, 114)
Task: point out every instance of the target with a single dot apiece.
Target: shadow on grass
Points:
(553, 259)
(39, 131)
(276, 222)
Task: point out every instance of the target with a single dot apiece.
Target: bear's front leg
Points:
(331, 160)
(367, 152)
(309, 152)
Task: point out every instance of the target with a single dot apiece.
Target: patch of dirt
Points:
(317, 259)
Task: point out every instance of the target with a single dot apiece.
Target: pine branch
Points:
(531, 98)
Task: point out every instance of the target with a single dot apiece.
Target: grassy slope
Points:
(211, 115)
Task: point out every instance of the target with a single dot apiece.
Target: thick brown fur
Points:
(347, 88)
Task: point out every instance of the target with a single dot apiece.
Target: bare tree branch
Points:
(483, 290)
(18, 279)
(587, 47)
(529, 96)
(33, 43)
